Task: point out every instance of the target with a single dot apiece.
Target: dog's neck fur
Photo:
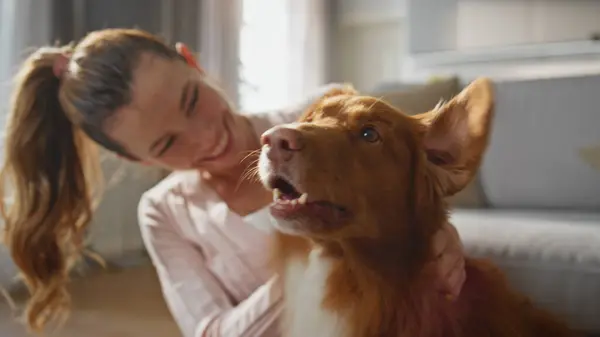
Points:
(378, 283)
(375, 284)
(392, 258)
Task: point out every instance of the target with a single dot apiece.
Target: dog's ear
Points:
(344, 90)
(457, 134)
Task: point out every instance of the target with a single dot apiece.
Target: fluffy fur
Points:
(360, 267)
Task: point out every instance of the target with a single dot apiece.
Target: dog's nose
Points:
(283, 141)
(284, 138)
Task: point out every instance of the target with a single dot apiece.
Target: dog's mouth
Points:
(289, 203)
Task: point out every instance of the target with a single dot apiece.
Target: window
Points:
(264, 55)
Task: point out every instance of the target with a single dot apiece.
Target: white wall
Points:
(369, 41)
(369, 54)
(502, 38)
(481, 24)
(392, 40)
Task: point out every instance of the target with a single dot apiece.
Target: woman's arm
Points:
(197, 301)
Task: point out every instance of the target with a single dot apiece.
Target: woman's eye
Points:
(167, 145)
(369, 134)
(192, 104)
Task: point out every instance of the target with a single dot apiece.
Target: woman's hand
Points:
(450, 261)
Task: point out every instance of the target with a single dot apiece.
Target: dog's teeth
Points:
(303, 198)
(276, 194)
(294, 202)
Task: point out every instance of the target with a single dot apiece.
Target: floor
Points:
(125, 303)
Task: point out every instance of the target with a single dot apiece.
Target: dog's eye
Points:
(369, 134)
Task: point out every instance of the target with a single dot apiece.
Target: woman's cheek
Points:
(178, 158)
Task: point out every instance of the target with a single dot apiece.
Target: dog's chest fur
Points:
(305, 288)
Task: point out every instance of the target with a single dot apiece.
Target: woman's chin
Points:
(235, 157)
(224, 164)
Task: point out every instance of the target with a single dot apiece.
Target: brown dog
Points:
(359, 191)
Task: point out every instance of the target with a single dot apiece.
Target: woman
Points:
(127, 91)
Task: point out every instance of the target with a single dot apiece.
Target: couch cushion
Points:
(544, 145)
(418, 98)
(553, 257)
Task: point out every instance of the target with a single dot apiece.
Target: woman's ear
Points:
(184, 51)
(457, 134)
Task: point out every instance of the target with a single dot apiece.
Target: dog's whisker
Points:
(439, 104)
(249, 178)
(250, 174)
(377, 100)
(247, 172)
(250, 154)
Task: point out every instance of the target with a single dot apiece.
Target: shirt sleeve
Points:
(199, 304)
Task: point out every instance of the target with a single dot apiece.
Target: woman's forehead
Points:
(157, 80)
(155, 95)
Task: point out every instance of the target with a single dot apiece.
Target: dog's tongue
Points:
(322, 211)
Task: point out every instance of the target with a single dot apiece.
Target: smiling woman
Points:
(177, 119)
(126, 91)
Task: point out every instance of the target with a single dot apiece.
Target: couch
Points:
(534, 207)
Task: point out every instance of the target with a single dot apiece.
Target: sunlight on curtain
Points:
(264, 55)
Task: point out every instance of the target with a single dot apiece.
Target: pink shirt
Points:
(211, 262)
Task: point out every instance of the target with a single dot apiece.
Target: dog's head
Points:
(354, 166)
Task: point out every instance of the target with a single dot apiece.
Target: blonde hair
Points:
(51, 173)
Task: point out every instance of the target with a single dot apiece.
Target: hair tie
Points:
(61, 64)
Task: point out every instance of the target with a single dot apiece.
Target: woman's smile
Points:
(222, 146)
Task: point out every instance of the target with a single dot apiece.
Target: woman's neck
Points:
(239, 187)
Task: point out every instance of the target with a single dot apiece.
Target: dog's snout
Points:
(283, 138)
(283, 141)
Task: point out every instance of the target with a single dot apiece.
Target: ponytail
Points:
(47, 183)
